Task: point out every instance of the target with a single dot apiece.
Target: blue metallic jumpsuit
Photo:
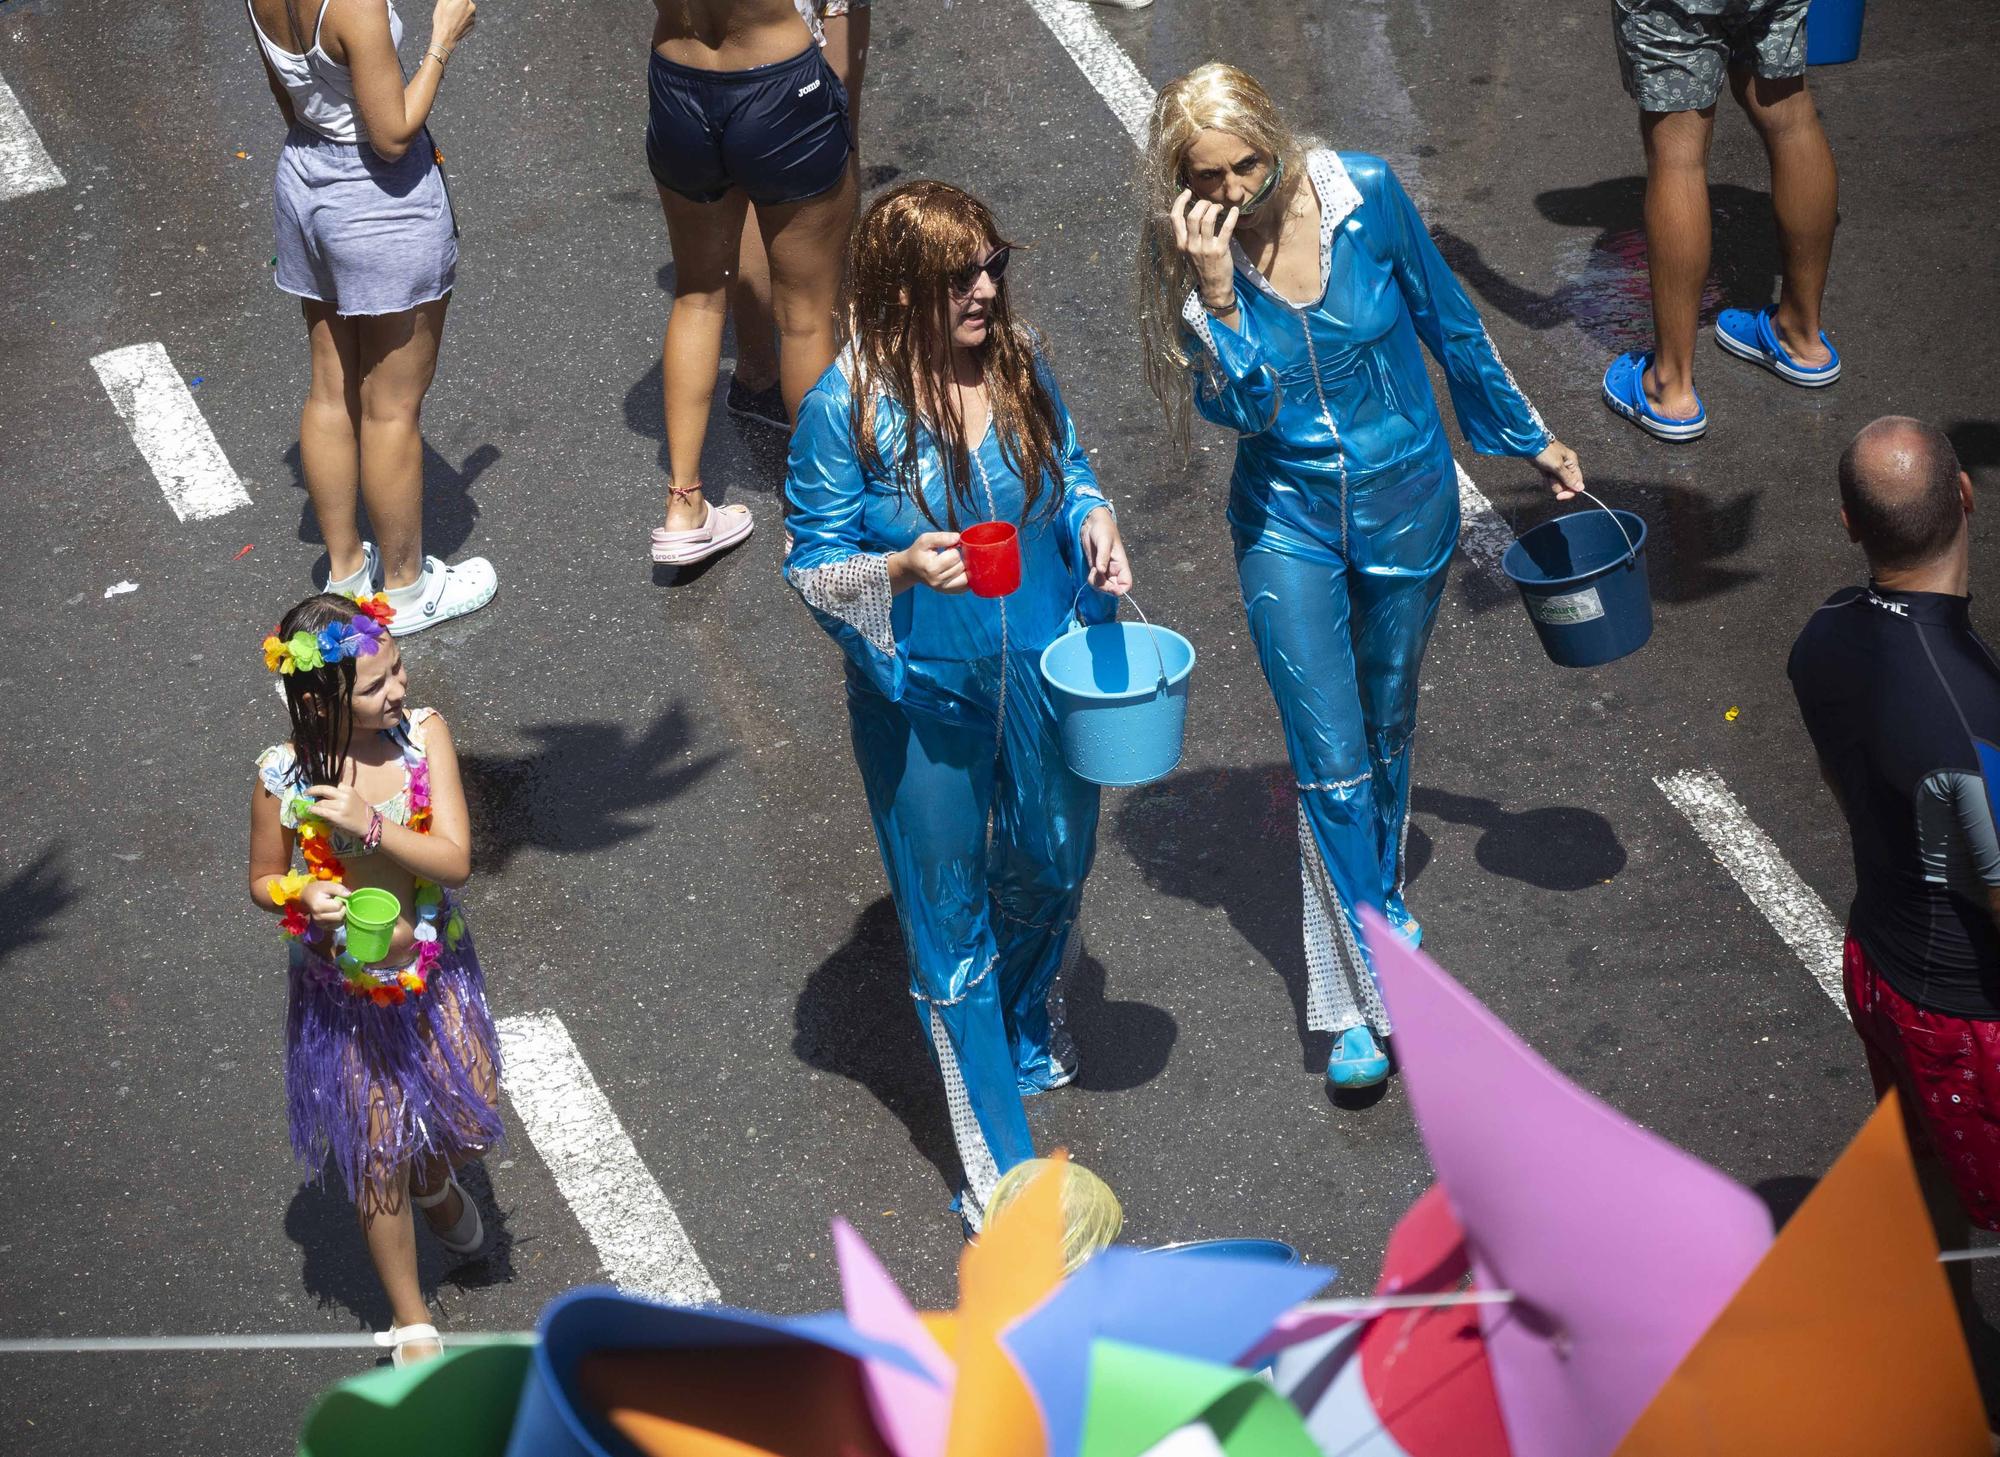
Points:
(952, 731)
(1344, 510)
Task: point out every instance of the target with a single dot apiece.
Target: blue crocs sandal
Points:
(1358, 1060)
(1750, 336)
(1626, 395)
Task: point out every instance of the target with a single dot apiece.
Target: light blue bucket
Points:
(1119, 691)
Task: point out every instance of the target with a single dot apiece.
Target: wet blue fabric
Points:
(985, 834)
(1343, 508)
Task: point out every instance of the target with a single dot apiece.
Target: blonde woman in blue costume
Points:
(941, 412)
(1285, 291)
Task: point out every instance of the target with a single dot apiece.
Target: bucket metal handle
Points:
(1631, 549)
(1152, 632)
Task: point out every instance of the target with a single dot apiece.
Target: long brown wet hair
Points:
(320, 701)
(907, 246)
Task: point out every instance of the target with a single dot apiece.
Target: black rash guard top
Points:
(1894, 687)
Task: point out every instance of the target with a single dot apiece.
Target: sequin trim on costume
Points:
(856, 591)
(982, 1172)
(1340, 989)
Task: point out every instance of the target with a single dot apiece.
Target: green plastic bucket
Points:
(371, 923)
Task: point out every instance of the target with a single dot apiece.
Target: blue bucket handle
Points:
(1152, 633)
(1631, 549)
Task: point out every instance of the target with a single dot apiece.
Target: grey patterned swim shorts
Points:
(1673, 54)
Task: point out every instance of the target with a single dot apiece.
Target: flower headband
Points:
(304, 651)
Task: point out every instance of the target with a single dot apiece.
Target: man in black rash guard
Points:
(1895, 686)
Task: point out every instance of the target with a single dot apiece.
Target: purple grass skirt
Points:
(377, 1088)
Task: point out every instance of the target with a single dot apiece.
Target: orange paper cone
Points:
(1011, 1270)
(1844, 1341)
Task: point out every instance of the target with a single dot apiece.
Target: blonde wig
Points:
(1219, 98)
(907, 246)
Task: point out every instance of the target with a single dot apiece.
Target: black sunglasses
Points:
(994, 267)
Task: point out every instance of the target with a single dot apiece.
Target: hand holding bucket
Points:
(371, 924)
(992, 554)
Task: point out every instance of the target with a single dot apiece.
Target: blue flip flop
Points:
(1752, 337)
(1625, 393)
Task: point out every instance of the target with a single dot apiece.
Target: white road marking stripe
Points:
(1102, 61)
(1747, 853)
(1483, 535)
(167, 426)
(619, 1203)
(25, 165)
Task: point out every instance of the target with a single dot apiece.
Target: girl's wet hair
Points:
(908, 247)
(320, 700)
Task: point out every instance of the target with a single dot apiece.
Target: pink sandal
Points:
(720, 529)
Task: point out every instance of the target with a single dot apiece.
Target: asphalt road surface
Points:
(672, 855)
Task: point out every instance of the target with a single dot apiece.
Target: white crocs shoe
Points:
(442, 593)
(362, 582)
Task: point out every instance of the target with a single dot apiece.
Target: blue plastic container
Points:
(1272, 1251)
(1120, 696)
(1582, 578)
(1833, 31)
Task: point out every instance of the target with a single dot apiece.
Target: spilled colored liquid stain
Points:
(1606, 292)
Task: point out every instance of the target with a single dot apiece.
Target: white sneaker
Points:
(363, 581)
(442, 593)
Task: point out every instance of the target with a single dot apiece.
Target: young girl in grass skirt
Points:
(391, 1066)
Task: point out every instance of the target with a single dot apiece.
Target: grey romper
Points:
(364, 235)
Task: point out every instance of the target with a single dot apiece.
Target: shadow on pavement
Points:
(34, 897)
(584, 786)
(1978, 445)
(1603, 288)
(854, 1018)
(1690, 532)
(450, 513)
(1120, 1045)
(1229, 838)
(336, 1270)
(1555, 847)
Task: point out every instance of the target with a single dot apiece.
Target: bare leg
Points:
(1677, 245)
(392, 1246)
(705, 237)
(807, 242)
(398, 358)
(847, 53)
(1805, 196)
(329, 435)
(750, 309)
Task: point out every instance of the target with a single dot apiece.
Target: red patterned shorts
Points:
(1947, 1070)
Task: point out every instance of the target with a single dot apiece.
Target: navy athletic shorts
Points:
(779, 132)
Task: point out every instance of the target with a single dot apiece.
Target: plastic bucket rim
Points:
(369, 895)
(1218, 1245)
(1133, 695)
(1626, 558)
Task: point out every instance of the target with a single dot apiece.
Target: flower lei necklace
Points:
(304, 652)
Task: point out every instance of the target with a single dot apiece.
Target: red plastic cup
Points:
(992, 553)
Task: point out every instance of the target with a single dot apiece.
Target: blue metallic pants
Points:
(987, 917)
(1340, 611)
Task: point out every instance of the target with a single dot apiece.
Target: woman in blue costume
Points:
(1287, 292)
(940, 412)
